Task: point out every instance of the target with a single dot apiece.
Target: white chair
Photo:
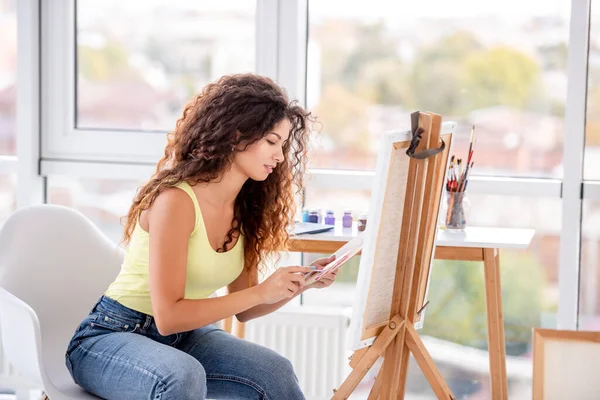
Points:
(54, 265)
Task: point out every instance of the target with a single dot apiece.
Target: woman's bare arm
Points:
(170, 221)
(240, 285)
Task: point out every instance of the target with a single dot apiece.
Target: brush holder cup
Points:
(455, 211)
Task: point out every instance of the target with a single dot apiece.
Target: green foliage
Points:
(457, 303)
(453, 76)
(500, 75)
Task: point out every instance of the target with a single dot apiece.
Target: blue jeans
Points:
(118, 353)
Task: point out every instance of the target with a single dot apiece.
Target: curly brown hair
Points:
(236, 110)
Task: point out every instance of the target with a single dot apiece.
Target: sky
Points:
(394, 11)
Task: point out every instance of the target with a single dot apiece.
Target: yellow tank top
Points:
(207, 270)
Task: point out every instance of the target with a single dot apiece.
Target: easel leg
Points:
(423, 358)
(403, 373)
(391, 367)
(376, 389)
(495, 322)
(366, 362)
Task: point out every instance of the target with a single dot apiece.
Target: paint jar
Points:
(347, 219)
(319, 216)
(313, 216)
(362, 222)
(330, 218)
(305, 215)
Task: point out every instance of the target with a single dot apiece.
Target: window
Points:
(139, 64)
(115, 72)
(103, 201)
(498, 66)
(8, 77)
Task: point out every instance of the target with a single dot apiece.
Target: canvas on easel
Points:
(397, 257)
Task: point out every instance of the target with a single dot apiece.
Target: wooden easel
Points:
(395, 340)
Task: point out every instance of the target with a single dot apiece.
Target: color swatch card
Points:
(344, 253)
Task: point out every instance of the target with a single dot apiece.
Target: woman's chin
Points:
(259, 177)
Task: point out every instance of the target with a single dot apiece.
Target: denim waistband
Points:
(117, 310)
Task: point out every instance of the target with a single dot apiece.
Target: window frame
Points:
(61, 139)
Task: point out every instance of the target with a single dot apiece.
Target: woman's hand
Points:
(284, 283)
(328, 279)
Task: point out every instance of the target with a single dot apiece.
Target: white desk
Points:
(474, 244)
(479, 237)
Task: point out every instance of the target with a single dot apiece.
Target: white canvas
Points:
(382, 237)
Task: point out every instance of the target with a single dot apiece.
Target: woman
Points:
(216, 208)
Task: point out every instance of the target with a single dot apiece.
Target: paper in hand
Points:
(344, 253)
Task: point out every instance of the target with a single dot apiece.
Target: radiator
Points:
(313, 339)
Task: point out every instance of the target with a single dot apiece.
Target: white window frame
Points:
(573, 153)
(30, 185)
(62, 140)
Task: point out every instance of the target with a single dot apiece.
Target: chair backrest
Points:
(58, 262)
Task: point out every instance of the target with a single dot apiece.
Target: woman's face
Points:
(261, 157)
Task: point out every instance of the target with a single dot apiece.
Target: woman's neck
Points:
(223, 191)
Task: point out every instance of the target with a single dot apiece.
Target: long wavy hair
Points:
(236, 110)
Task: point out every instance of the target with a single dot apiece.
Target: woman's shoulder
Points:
(173, 204)
(174, 196)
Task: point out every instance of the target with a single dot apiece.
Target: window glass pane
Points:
(139, 62)
(455, 329)
(8, 198)
(589, 275)
(500, 66)
(591, 167)
(8, 76)
(103, 201)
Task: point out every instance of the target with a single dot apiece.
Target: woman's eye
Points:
(271, 143)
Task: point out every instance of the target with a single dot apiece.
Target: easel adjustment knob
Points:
(392, 325)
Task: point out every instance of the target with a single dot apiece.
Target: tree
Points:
(372, 45)
(435, 79)
(369, 68)
(501, 75)
(457, 75)
(383, 81)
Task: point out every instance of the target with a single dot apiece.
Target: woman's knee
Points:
(284, 383)
(187, 380)
(283, 366)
